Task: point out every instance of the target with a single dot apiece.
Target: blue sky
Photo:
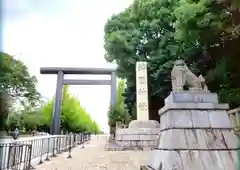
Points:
(45, 33)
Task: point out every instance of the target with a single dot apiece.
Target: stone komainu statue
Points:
(181, 76)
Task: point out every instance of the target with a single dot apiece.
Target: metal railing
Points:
(15, 156)
(234, 115)
(19, 154)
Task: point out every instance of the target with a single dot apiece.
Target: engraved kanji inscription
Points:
(142, 80)
(142, 106)
(142, 91)
(141, 66)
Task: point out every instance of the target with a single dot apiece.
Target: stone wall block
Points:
(180, 119)
(168, 119)
(210, 139)
(227, 160)
(133, 143)
(200, 119)
(219, 119)
(154, 143)
(176, 119)
(130, 137)
(123, 143)
(192, 106)
(165, 160)
(201, 138)
(146, 143)
(211, 160)
(172, 160)
(138, 131)
(230, 139)
(234, 156)
(214, 139)
(190, 160)
(155, 158)
(163, 122)
(148, 137)
(144, 137)
(192, 139)
(192, 97)
(153, 137)
(172, 139)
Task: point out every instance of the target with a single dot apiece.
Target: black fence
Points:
(18, 155)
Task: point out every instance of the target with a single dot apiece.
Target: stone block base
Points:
(193, 160)
(196, 134)
(200, 149)
(137, 145)
(136, 124)
(137, 139)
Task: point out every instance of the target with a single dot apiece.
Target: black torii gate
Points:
(60, 71)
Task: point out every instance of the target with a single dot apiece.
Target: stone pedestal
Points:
(137, 139)
(196, 134)
(136, 124)
(140, 135)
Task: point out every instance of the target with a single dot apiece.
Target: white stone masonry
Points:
(195, 134)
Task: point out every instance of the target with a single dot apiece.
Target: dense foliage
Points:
(16, 81)
(117, 113)
(205, 33)
(16, 84)
(74, 117)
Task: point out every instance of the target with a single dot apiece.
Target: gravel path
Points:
(94, 157)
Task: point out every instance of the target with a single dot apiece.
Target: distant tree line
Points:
(18, 86)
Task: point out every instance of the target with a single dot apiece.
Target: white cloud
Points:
(70, 35)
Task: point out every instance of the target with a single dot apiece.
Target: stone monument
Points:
(196, 132)
(142, 99)
(142, 91)
(141, 133)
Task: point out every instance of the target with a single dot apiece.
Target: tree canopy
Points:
(74, 117)
(204, 33)
(16, 80)
(15, 84)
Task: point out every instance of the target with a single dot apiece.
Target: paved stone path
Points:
(94, 157)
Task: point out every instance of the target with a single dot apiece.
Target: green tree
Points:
(15, 84)
(33, 119)
(74, 117)
(159, 32)
(16, 80)
(27, 119)
(95, 128)
(14, 120)
(117, 113)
